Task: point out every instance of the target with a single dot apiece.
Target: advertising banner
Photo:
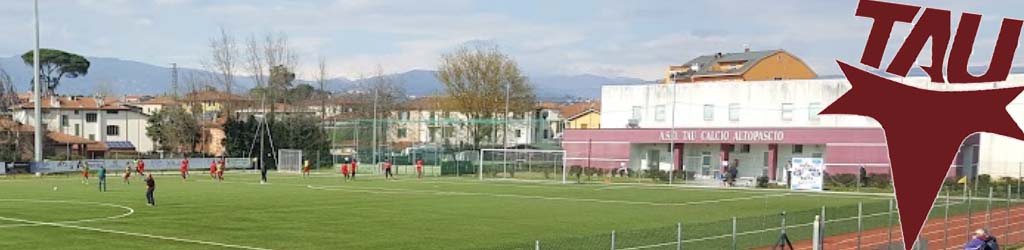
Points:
(808, 174)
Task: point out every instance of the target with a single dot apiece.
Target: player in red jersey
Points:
(419, 169)
(355, 164)
(344, 170)
(213, 169)
(140, 167)
(387, 169)
(184, 169)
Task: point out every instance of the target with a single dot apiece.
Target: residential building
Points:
(426, 121)
(152, 105)
(210, 103)
(741, 66)
(105, 120)
(583, 115)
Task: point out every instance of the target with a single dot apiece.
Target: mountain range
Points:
(122, 77)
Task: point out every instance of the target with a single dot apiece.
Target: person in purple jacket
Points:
(982, 241)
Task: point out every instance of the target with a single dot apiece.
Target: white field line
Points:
(209, 243)
(779, 228)
(411, 191)
(129, 213)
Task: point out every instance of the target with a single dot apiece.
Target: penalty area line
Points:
(209, 243)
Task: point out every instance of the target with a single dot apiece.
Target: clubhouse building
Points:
(759, 125)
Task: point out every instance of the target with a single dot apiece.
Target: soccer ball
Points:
(54, 188)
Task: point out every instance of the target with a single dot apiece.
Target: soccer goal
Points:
(289, 160)
(527, 164)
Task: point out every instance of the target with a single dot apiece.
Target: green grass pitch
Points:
(326, 212)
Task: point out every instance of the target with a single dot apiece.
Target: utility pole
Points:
(174, 79)
(504, 144)
(374, 126)
(672, 146)
(38, 112)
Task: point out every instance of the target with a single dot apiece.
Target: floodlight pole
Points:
(374, 126)
(504, 144)
(36, 88)
(672, 145)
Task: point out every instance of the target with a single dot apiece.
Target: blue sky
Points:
(611, 38)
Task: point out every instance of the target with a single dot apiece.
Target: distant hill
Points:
(131, 77)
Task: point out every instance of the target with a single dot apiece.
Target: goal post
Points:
(527, 164)
(289, 160)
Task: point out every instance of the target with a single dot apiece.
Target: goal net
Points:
(527, 164)
(289, 160)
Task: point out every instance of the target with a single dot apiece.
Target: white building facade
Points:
(760, 127)
(92, 118)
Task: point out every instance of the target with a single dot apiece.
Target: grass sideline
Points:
(325, 212)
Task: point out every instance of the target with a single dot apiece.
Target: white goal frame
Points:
(283, 155)
(480, 164)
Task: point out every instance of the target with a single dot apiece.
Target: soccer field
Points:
(326, 212)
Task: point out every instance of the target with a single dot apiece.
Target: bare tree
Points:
(262, 54)
(321, 79)
(477, 79)
(8, 96)
(104, 88)
(223, 59)
(254, 61)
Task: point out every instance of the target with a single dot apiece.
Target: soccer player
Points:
(213, 169)
(344, 170)
(140, 167)
(263, 170)
(354, 164)
(150, 187)
(85, 171)
(102, 175)
(127, 172)
(387, 169)
(220, 170)
(419, 169)
(184, 169)
(305, 168)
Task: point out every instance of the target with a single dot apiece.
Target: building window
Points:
(764, 162)
(734, 112)
(63, 120)
(709, 112)
(519, 133)
(113, 130)
(813, 110)
(92, 137)
(745, 148)
(78, 130)
(636, 113)
(76, 112)
(546, 134)
(401, 133)
(112, 112)
(787, 111)
(816, 155)
(90, 117)
(659, 113)
(798, 149)
(583, 125)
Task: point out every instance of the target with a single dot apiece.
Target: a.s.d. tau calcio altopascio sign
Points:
(921, 138)
(690, 135)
